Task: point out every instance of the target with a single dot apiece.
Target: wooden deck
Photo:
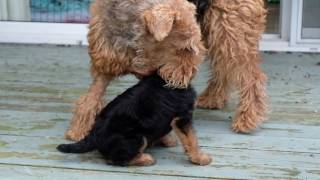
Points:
(39, 83)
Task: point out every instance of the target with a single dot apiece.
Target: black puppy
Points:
(140, 116)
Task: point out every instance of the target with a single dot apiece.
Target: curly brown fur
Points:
(232, 30)
(142, 115)
(138, 37)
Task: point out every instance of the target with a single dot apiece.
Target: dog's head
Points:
(177, 36)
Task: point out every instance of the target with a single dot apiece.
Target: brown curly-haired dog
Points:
(138, 37)
(231, 31)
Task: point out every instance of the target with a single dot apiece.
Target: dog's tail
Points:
(83, 146)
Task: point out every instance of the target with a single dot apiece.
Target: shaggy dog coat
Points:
(140, 116)
(231, 31)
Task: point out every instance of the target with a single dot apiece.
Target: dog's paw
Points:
(148, 160)
(143, 160)
(87, 107)
(201, 159)
(207, 102)
(244, 124)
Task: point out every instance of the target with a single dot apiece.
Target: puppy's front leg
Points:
(184, 130)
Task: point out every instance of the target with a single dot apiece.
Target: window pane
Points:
(273, 18)
(59, 11)
(310, 19)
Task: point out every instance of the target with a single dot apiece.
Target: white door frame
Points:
(43, 33)
(296, 40)
(289, 38)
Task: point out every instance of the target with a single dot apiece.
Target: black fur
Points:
(202, 6)
(145, 110)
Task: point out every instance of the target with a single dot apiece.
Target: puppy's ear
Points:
(159, 21)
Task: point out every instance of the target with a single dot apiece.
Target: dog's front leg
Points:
(184, 130)
(87, 106)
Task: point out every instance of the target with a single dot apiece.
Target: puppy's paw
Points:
(201, 159)
(148, 160)
(143, 160)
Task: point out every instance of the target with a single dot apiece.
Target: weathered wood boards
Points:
(39, 83)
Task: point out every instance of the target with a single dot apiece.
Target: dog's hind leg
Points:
(217, 92)
(87, 107)
(143, 159)
(184, 130)
(252, 107)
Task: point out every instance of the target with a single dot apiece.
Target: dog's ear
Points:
(159, 21)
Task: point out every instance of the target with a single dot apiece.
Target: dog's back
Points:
(122, 19)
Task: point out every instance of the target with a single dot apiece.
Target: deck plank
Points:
(54, 124)
(243, 163)
(39, 172)
(209, 133)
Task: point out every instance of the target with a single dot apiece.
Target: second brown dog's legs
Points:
(87, 106)
(185, 132)
(233, 30)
